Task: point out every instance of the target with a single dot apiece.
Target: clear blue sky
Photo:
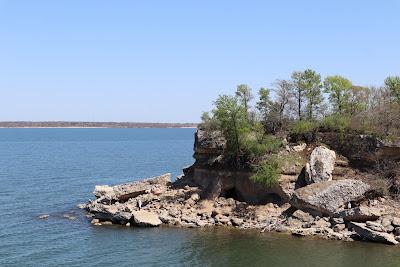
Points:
(167, 61)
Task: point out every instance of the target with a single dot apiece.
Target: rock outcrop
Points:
(210, 193)
(322, 163)
(330, 196)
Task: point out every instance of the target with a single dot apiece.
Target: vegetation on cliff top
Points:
(299, 106)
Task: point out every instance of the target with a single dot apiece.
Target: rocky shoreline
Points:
(180, 205)
(323, 198)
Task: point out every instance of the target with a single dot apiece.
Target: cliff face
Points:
(218, 179)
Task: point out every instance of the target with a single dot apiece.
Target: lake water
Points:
(49, 171)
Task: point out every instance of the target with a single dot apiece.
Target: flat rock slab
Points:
(126, 191)
(360, 214)
(362, 230)
(329, 196)
(145, 218)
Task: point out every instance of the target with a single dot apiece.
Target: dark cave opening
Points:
(231, 193)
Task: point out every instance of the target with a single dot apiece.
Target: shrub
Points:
(255, 144)
(268, 172)
(304, 127)
(337, 123)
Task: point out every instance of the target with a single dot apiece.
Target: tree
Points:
(264, 104)
(339, 92)
(311, 83)
(231, 117)
(393, 84)
(243, 92)
(283, 89)
(298, 92)
(358, 99)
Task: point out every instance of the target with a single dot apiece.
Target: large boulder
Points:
(145, 219)
(328, 197)
(126, 191)
(320, 168)
(372, 235)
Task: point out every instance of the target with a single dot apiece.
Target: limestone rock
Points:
(360, 214)
(322, 162)
(375, 226)
(364, 232)
(299, 148)
(146, 218)
(303, 216)
(396, 221)
(329, 196)
(126, 191)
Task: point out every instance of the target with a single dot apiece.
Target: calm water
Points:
(49, 171)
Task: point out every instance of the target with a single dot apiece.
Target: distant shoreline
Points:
(92, 125)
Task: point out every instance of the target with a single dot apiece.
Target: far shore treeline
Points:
(80, 124)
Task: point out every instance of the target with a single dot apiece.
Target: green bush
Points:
(337, 123)
(304, 127)
(268, 172)
(255, 146)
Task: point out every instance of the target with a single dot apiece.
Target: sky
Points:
(167, 61)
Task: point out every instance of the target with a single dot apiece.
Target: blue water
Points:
(49, 171)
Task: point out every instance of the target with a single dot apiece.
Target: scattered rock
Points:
(299, 148)
(303, 216)
(396, 221)
(237, 221)
(44, 216)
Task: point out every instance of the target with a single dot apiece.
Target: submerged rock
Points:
(329, 196)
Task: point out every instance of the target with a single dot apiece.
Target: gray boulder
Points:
(328, 197)
(366, 233)
(320, 168)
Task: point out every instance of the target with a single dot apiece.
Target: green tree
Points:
(298, 92)
(311, 84)
(264, 104)
(231, 117)
(243, 92)
(393, 84)
(339, 92)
